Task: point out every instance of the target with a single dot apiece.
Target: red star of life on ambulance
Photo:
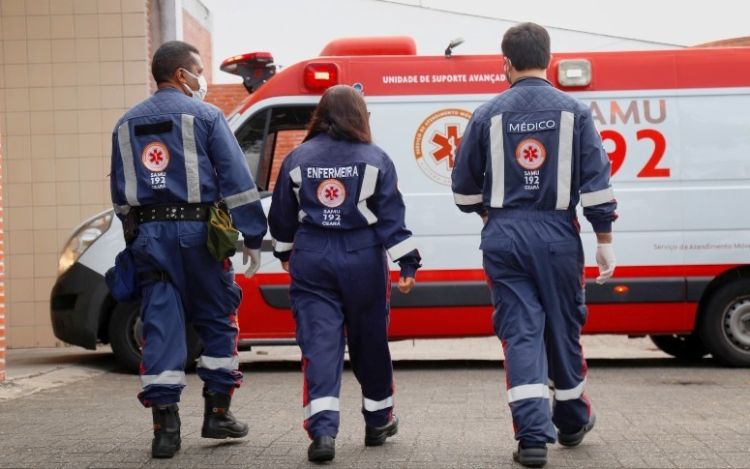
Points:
(447, 143)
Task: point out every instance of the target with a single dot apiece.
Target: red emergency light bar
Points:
(385, 45)
(321, 76)
(255, 68)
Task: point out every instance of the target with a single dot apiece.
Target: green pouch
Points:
(222, 235)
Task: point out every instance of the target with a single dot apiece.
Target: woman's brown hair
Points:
(342, 115)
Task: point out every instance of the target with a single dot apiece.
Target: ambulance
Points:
(676, 126)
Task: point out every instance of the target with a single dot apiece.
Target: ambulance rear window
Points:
(267, 138)
(284, 142)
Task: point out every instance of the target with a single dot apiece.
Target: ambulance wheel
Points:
(724, 324)
(125, 332)
(683, 347)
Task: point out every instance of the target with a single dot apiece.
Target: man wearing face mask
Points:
(173, 160)
(527, 158)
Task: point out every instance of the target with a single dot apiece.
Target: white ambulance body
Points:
(676, 125)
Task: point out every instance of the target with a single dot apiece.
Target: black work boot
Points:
(218, 421)
(375, 436)
(575, 439)
(166, 440)
(531, 454)
(322, 448)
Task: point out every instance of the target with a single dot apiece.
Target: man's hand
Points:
(254, 256)
(605, 259)
(485, 217)
(285, 265)
(405, 284)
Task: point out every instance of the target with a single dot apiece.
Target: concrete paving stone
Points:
(736, 460)
(651, 413)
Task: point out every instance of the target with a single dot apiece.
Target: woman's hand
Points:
(405, 284)
(285, 265)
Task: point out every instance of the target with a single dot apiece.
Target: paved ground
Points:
(652, 412)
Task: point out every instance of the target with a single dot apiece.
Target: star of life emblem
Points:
(331, 193)
(436, 143)
(530, 154)
(155, 157)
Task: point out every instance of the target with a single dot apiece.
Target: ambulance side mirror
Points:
(452, 45)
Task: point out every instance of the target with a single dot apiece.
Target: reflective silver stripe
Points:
(280, 246)
(564, 160)
(192, 173)
(374, 406)
(528, 391)
(128, 165)
(296, 176)
(369, 181)
(165, 377)
(599, 197)
(404, 247)
(570, 394)
(218, 363)
(242, 198)
(462, 199)
(320, 404)
(121, 209)
(497, 153)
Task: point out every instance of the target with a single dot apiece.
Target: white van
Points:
(676, 125)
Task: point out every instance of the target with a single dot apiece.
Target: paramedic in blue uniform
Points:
(527, 158)
(336, 213)
(173, 158)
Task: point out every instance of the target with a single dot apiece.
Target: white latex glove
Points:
(254, 255)
(605, 259)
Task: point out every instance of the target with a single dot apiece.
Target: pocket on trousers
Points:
(192, 240)
(496, 244)
(563, 247)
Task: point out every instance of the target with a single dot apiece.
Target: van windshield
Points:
(268, 136)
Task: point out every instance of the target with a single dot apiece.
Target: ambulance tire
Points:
(124, 330)
(683, 347)
(724, 324)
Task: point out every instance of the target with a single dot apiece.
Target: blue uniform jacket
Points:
(171, 148)
(534, 147)
(343, 186)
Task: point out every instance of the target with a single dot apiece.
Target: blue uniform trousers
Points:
(340, 292)
(534, 263)
(200, 291)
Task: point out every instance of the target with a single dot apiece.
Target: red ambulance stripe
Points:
(482, 74)
(626, 271)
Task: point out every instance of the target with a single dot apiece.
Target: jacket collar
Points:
(531, 81)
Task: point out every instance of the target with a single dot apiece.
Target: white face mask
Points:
(200, 93)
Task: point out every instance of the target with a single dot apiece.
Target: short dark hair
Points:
(527, 46)
(169, 57)
(342, 115)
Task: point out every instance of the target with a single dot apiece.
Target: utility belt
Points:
(222, 235)
(153, 277)
(172, 212)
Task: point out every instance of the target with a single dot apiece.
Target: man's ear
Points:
(179, 76)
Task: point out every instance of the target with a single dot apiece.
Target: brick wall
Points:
(734, 42)
(226, 97)
(286, 141)
(194, 33)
